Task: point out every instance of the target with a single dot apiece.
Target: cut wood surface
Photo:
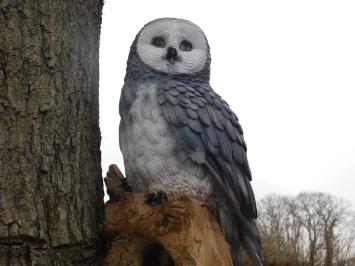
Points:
(178, 232)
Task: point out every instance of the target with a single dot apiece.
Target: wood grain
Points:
(183, 226)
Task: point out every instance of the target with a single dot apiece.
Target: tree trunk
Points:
(51, 195)
(329, 243)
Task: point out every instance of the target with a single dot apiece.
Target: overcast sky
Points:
(287, 69)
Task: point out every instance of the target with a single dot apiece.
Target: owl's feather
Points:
(211, 135)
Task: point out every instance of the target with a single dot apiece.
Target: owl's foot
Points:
(156, 198)
(125, 185)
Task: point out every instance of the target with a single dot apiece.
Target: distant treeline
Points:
(309, 229)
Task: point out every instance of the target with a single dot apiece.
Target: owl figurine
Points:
(178, 136)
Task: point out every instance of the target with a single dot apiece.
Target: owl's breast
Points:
(144, 127)
(154, 160)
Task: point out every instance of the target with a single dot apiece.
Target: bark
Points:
(51, 196)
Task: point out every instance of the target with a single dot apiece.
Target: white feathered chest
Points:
(154, 159)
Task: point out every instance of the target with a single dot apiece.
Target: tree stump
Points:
(178, 232)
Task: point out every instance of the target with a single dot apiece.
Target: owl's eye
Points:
(185, 46)
(158, 42)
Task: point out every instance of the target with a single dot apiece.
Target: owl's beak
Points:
(171, 55)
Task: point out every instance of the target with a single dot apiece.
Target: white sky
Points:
(287, 68)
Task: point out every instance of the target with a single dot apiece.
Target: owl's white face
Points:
(173, 46)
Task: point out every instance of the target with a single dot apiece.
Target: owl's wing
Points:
(211, 135)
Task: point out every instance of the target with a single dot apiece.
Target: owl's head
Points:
(173, 46)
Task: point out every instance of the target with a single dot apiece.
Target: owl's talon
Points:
(125, 185)
(156, 198)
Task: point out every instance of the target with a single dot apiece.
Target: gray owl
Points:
(179, 136)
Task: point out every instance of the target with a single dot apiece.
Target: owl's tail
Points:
(242, 231)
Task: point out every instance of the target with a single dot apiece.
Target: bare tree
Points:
(310, 222)
(309, 229)
(275, 227)
(334, 216)
(344, 243)
(294, 245)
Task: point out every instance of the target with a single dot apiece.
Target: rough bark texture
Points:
(180, 232)
(51, 196)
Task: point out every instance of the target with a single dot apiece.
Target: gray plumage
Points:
(178, 136)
